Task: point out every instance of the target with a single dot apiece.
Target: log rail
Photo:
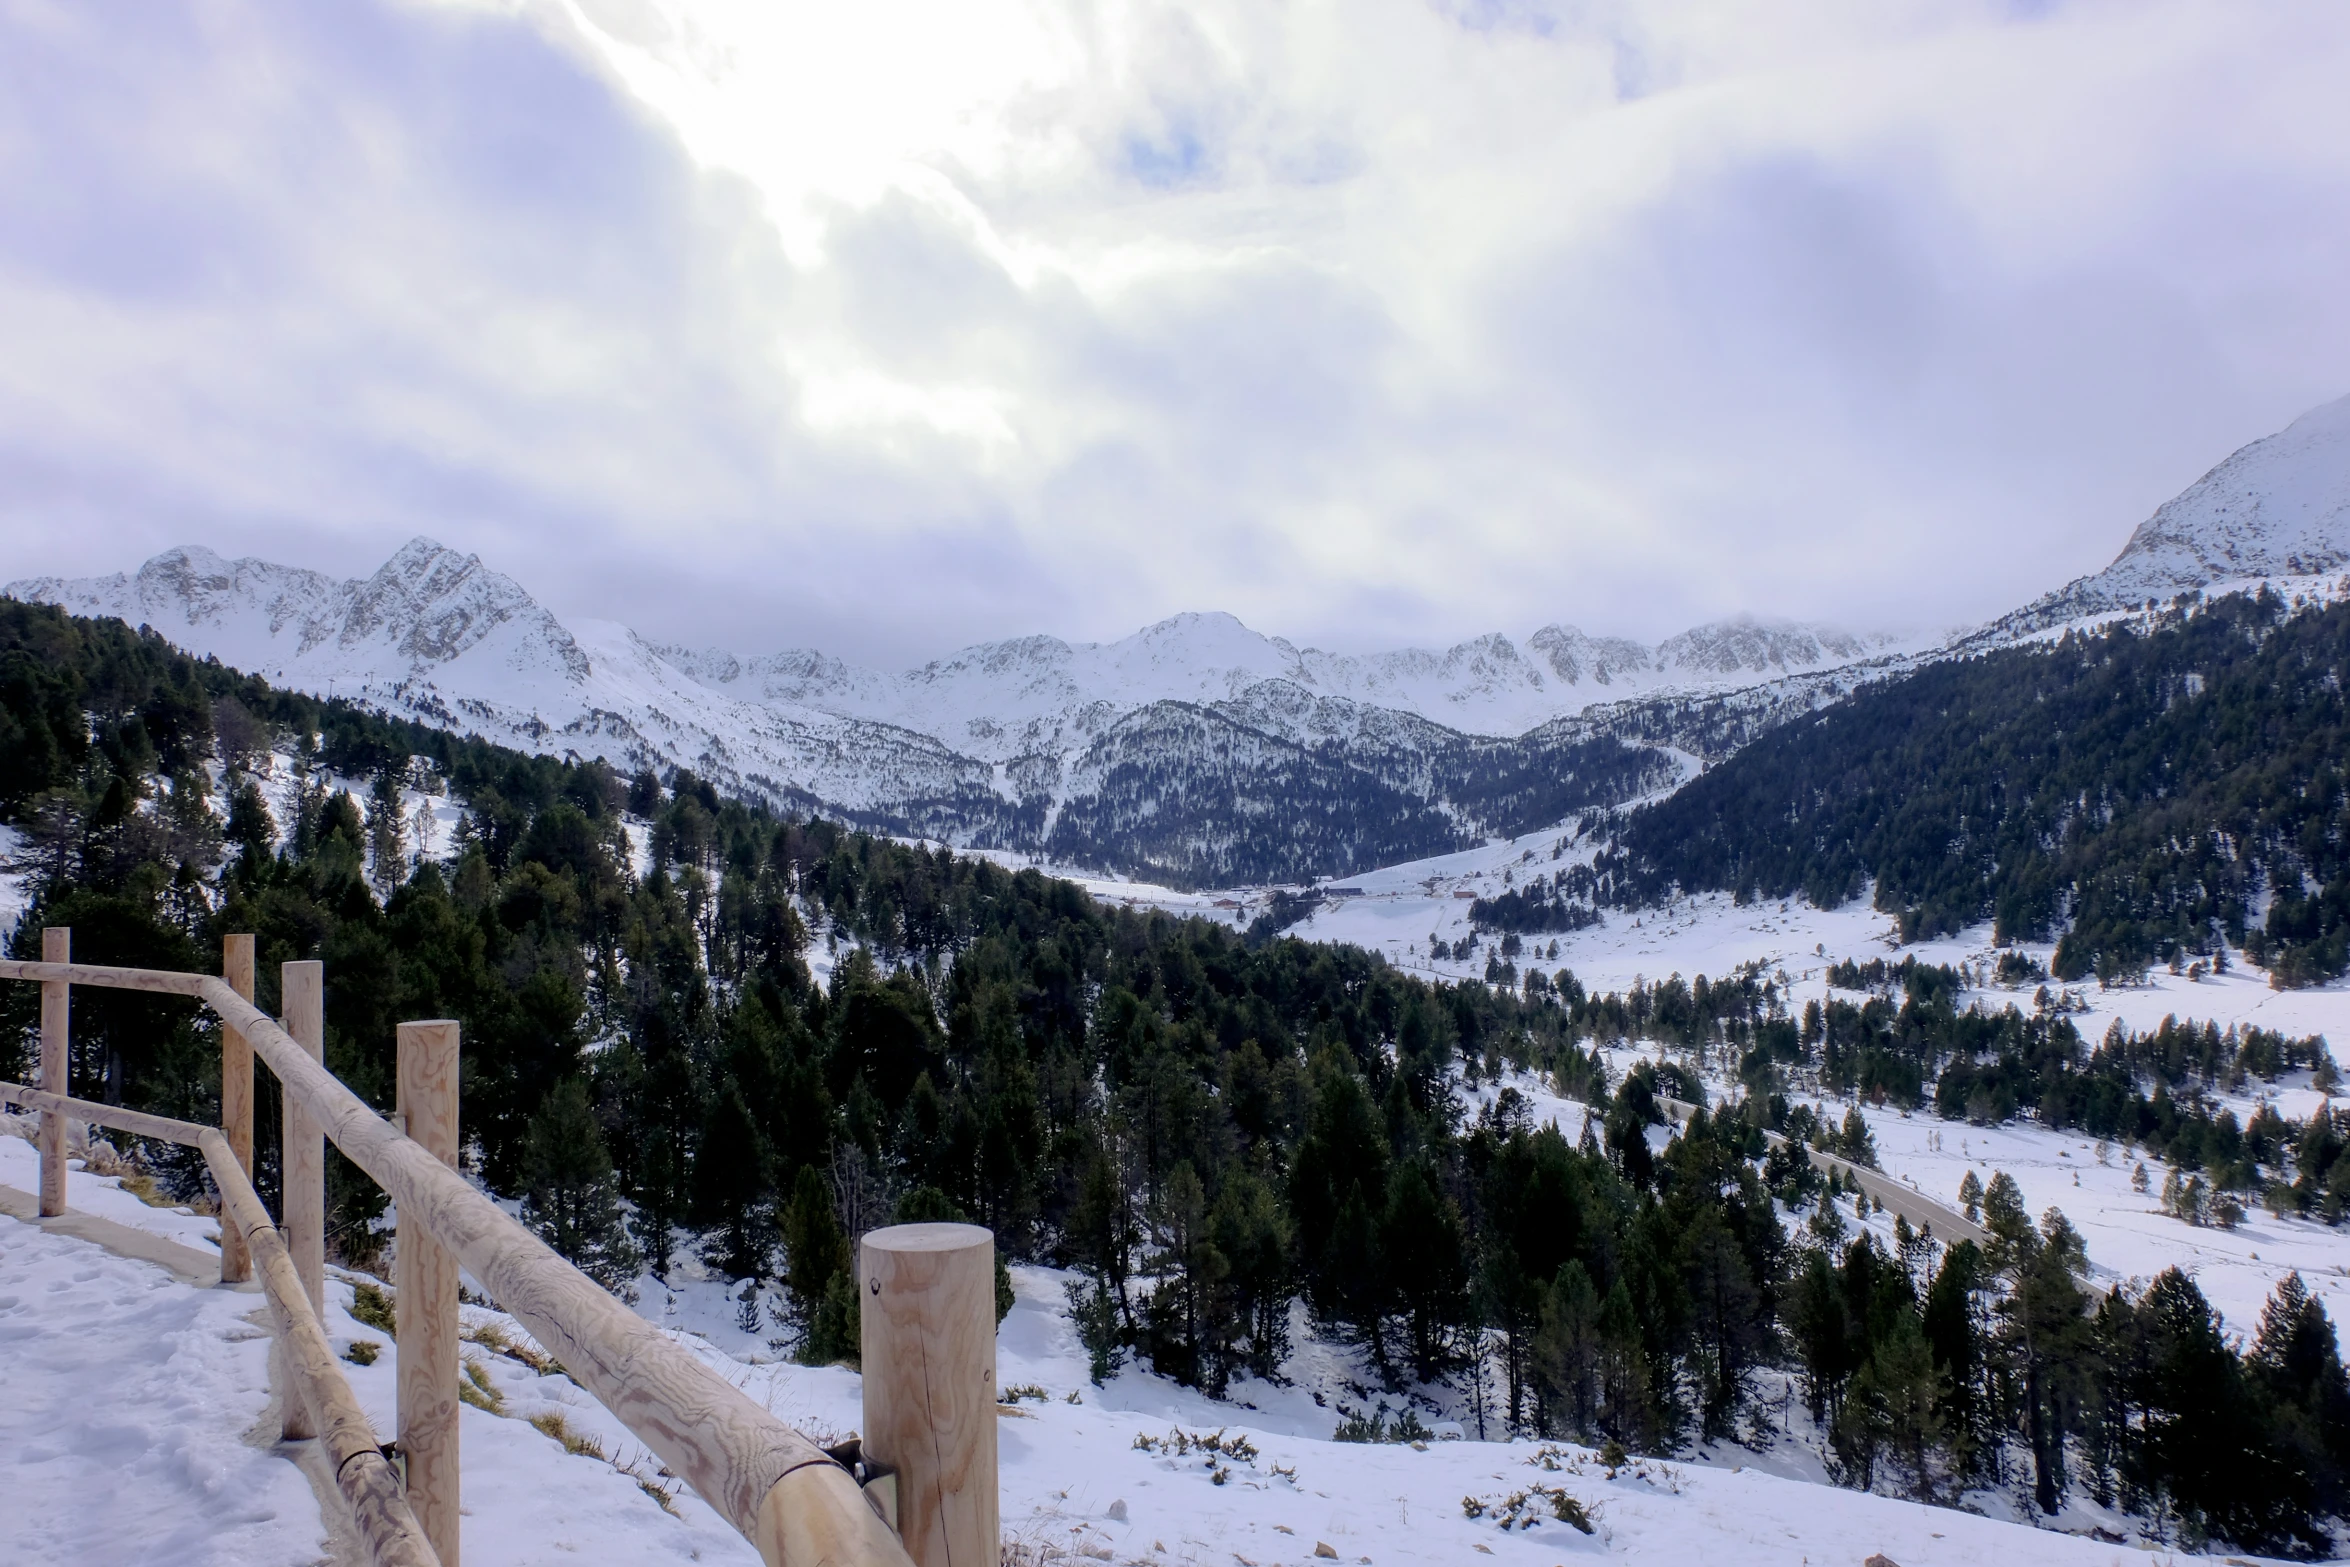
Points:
(797, 1503)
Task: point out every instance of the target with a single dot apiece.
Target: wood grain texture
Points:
(729, 1449)
(427, 1284)
(302, 993)
(395, 1537)
(236, 1098)
(56, 1025)
(927, 1293)
(161, 982)
(136, 1122)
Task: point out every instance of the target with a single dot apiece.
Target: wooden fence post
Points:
(236, 1102)
(302, 1214)
(427, 1298)
(927, 1293)
(56, 1024)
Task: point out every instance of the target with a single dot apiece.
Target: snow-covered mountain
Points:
(1195, 748)
(2276, 509)
(1005, 699)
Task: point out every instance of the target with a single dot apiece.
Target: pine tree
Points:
(2045, 1330)
(387, 833)
(730, 1187)
(1954, 1322)
(571, 1200)
(2296, 1364)
(1566, 1353)
(1628, 1409)
(1249, 1231)
(815, 1253)
(1422, 1257)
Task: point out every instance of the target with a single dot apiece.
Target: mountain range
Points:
(1197, 750)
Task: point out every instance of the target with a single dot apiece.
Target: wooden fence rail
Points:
(797, 1503)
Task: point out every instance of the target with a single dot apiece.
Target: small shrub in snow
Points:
(373, 1305)
(579, 1445)
(475, 1388)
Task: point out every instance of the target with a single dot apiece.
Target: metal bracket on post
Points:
(927, 1331)
(879, 1482)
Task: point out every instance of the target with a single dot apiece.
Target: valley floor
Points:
(1400, 908)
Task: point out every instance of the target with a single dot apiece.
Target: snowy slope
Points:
(1004, 699)
(124, 1438)
(2276, 509)
(1022, 744)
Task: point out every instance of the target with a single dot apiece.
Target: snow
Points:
(2278, 507)
(16, 882)
(2128, 1237)
(125, 1400)
(441, 636)
(131, 1398)
(438, 636)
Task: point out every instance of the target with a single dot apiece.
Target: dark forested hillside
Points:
(2140, 792)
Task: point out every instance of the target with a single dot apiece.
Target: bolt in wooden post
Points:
(302, 1217)
(927, 1293)
(236, 1102)
(427, 1302)
(56, 1021)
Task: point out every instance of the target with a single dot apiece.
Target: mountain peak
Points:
(427, 605)
(2277, 507)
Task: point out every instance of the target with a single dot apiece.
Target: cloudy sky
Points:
(885, 327)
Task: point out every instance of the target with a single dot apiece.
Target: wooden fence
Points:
(926, 1464)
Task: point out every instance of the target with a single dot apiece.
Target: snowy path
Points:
(125, 1400)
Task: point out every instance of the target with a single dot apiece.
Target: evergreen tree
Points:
(2296, 1368)
(816, 1254)
(1567, 1353)
(1422, 1255)
(571, 1200)
(730, 1181)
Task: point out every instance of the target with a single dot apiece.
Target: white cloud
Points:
(888, 325)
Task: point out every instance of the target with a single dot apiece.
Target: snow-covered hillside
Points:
(1223, 742)
(1005, 699)
(2276, 509)
(138, 1428)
